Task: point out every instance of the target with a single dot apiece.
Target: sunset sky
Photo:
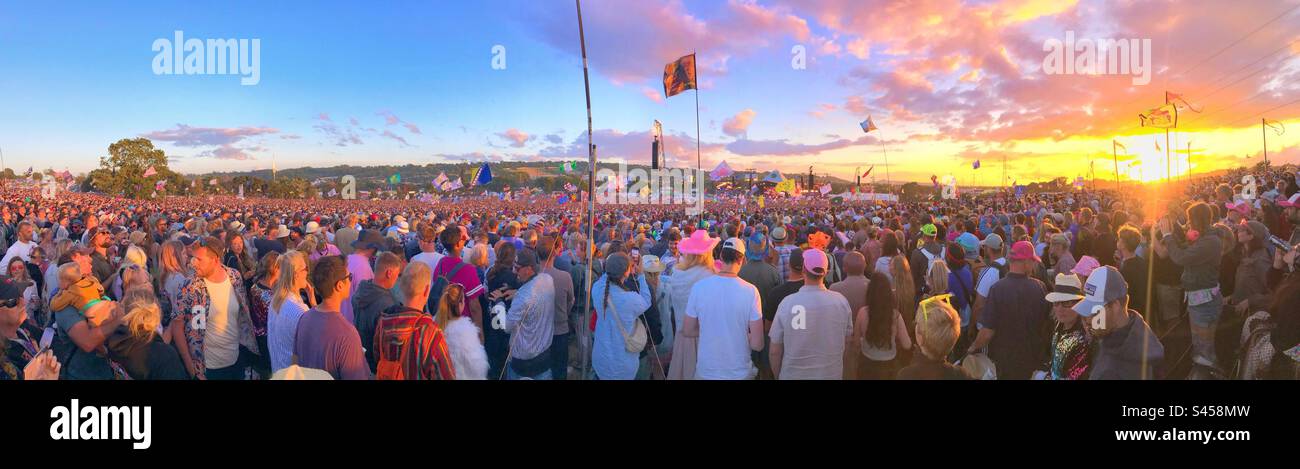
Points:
(946, 81)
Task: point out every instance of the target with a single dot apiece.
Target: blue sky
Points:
(417, 79)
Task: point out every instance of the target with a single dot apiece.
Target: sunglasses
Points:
(946, 298)
(10, 303)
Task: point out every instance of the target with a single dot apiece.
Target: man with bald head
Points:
(854, 289)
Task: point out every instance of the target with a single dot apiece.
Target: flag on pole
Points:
(868, 173)
(1121, 145)
(563, 199)
(935, 180)
(457, 184)
(442, 178)
(721, 171)
(786, 186)
(150, 172)
(679, 76)
(28, 173)
(760, 201)
(483, 175)
(1157, 144)
(1078, 181)
(868, 126)
(568, 166)
(396, 178)
(568, 186)
(213, 182)
(160, 185)
(825, 188)
(1180, 103)
(241, 191)
(1275, 125)
(332, 193)
(975, 165)
(1163, 117)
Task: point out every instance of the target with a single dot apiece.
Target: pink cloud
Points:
(737, 125)
(516, 137)
(654, 95)
(187, 136)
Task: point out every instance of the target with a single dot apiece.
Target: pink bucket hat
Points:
(1086, 265)
(698, 243)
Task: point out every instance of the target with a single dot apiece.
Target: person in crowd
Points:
(238, 257)
(815, 325)
(1134, 266)
(1125, 346)
(373, 297)
(293, 296)
(84, 318)
(324, 339)
(530, 321)
(137, 345)
(468, 357)
(20, 354)
(1199, 250)
(1071, 345)
(937, 328)
(548, 249)
(880, 330)
(854, 289)
(409, 343)
(1012, 324)
(619, 315)
(260, 295)
(216, 335)
(695, 265)
(503, 284)
(725, 314)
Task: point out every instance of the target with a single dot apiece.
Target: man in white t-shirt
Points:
(997, 266)
(726, 314)
(22, 248)
(428, 247)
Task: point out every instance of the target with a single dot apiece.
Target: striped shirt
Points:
(410, 337)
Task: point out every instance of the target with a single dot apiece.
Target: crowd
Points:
(1087, 284)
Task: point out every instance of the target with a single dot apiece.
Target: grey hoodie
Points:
(1122, 354)
(1200, 260)
(367, 303)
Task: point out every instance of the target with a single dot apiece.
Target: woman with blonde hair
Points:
(172, 267)
(260, 294)
(937, 329)
(468, 357)
(904, 287)
(287, 306)
(696, 264)
(936, 282)
(137, 345)
(51, 273)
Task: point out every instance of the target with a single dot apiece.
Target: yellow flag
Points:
(786, 186)
(760, 201)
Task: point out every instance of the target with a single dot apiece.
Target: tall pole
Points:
(698, 167)
(1114, 155)
(1189, 162)
(1168, 175)
(591, 194)
(886, 152)
(1262, 127)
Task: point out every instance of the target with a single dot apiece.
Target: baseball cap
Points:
(755, 249)
(735, 244)
(970, 243)
(814, 261)
(11, 288)
(1023, 251)
(993, 241)
(929, 230)
(1104, 286)
(1068, 288)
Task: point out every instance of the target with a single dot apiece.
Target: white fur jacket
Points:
(467, 353)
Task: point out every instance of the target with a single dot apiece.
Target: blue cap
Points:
(756, 248)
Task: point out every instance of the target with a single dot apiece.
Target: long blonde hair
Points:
(904, 287)
(143, 314)
(938, 277)
(692, 260)
(284, 286)
(449, 305)
(170, 262)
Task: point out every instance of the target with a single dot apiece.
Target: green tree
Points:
(122, 171)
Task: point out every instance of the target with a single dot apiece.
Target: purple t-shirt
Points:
(328, 342)
(467, 276)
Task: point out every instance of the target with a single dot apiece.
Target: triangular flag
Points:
(1180, 103)
(679, 76)
(774, 176)
(150, 172)
(1275, 125)
(1121, 145)
(868, 173)
(1163, 117)
(1158, 145)
(483, 176)
(975, 165)
(868, 125)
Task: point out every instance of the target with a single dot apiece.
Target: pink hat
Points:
(1086, 265)
(1243, 207)
(1023, 251)
(814, 260)
(698, 243)
(1294, 201)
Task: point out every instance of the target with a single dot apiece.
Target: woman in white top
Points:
(881, 329)
(287, 307)
(468, 357)
(696, 264)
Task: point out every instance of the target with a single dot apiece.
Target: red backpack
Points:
(396, 343)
